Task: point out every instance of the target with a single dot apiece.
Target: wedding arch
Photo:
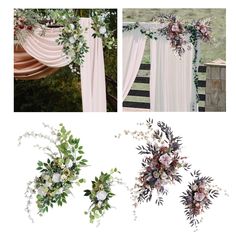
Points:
(174, 59)
(46, 40)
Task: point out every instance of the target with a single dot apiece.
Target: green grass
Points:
(209, 52)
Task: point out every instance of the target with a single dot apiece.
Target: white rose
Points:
(72, 39)
(42, 191)
(59, 191)
(72, 26)
(69, 164)
(101, 195)
(56, 178)
(102, 30)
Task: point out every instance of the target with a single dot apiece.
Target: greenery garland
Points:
(58, 173)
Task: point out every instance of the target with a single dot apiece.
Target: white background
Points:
(208, 141)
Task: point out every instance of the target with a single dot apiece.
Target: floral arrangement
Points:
(58, 173)
(71, 37)
(101, 193)
(100, 25)
(161, 162)
(198, 197)
(176, 31)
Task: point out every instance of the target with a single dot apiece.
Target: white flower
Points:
(42, 191)
(199, 196)
(62, 166)
(48, 184)
(72, 26)
(56, 178)
(63, 177)
(166, 160)
(194, 187)
(69, 164)
(101, 195)
(164, 175)
(102, 30)
(60, 191)
(46, 177)
(99, 204)
(72, 39)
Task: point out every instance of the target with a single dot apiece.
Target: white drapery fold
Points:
(133, 49)
(93, 83)
(171, 83)
(42, 46)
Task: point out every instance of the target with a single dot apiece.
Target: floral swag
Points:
(71, 36)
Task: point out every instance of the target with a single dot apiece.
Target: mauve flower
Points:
(175, 28)
(203, 29)
(199, 196)
(166, 160)
(56, 178)
(155, 174)
(101, 195)
(158, 184)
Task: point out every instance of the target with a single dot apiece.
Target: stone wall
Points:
(216, 86)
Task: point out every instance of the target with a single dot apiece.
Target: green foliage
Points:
(59, 172)
(100, 194)
(56, 93)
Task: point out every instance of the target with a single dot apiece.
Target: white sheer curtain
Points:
(46, 50)
(171, 83)
(93, 83)
(133, 49)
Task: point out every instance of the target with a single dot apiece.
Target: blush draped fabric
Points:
(171, 84)
(133, 49)
(28, 68)
(40, 55)
(93, 72)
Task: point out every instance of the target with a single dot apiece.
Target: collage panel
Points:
(117, 121)
(65, 60)
(174, 60)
